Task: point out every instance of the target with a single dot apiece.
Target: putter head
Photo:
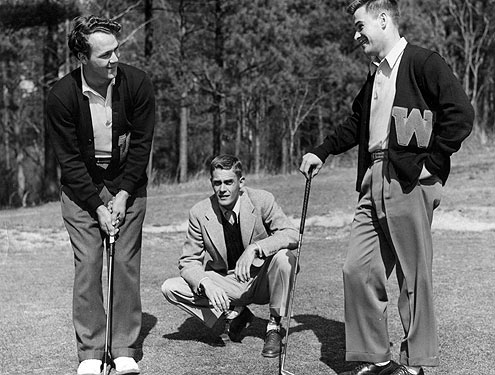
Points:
(106, 369)
(282, 362)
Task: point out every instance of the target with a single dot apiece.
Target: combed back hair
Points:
(83, 27)
(227, 162)
(377, 6)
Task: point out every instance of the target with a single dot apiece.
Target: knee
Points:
(285, 261)
(347, 269)
(352, 273)
(169, 289)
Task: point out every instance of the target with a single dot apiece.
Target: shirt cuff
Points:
(201, 289)
(259, 251)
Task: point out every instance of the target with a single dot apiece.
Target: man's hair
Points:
(83, 27)
(377, 6)
(227, 162)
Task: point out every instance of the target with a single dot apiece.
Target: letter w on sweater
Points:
(414, 124)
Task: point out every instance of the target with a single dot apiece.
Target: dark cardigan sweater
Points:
(428, 98)
(71, 133)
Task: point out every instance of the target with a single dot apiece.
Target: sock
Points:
(232, 314)
(273, 324)
(413, 370)
(380, 364)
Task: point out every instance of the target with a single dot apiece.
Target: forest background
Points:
(265, 80)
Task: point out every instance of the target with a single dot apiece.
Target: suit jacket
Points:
(71, 133)
(260, 219)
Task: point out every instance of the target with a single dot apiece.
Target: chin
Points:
(226, 204)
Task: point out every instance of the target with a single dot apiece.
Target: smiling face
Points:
(227, 186)
(101, 65)
(370, 32)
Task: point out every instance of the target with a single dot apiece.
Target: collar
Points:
(87, 89)
(392, 57)
(236, 209)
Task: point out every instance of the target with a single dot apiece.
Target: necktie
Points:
(231, 217)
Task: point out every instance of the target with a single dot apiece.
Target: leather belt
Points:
(378, 155)
(102, 160)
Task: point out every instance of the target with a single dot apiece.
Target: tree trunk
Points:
(241, 124)
(321, 128)
(148, 28)
(285, 154)
(5, 116)
(218, 120)
(218, 96)
(50, 68)
(183, 138)
(256, 140)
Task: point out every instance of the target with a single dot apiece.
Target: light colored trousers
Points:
(391, 229)
(87, 241)
(271, 283)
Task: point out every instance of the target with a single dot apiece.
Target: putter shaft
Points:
(282, 371)
(111, 250)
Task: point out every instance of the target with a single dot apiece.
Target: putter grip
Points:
(305, 203)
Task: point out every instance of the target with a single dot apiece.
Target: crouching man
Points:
(236, 252)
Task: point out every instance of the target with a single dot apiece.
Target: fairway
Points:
(37, 269)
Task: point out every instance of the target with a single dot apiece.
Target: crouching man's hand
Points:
(216, 295)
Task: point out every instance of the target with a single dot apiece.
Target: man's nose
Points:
(357, 35)
(114, 58)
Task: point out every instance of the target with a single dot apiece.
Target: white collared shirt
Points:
(236, 209)
(383, 96)
(101, 117)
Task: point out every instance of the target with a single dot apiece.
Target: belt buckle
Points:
(377, 155)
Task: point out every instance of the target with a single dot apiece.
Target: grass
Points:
(36, 271)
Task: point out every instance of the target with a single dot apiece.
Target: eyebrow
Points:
(224, 181)
(109, 51)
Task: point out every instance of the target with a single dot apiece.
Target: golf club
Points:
(294, 275)
(108, 328)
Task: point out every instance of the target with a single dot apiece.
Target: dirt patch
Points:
(476, 219)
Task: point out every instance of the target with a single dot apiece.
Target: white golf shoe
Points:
(126, 366)
(89, 367)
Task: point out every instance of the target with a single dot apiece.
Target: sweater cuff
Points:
(320, 152)
(94, 202)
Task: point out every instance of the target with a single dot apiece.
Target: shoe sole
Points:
(128, 372)
(270, 355)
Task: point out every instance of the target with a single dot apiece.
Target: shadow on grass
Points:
(194, 330)
(148, 322)
(331, 335)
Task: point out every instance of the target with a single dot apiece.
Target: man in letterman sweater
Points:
(410, 116)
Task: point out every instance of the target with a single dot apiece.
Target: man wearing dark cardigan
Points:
(100, 121)
(408, 119)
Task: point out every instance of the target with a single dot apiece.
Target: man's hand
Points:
(118, 207)
(105, 221)
(310, 161)
(216, 295)
(244, 263)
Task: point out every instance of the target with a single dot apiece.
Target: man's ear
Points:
(242, 179)
(383, 19)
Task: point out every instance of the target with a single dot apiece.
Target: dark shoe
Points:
(273, 340)
(371, 369)
(402, 370)
(236, 326)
